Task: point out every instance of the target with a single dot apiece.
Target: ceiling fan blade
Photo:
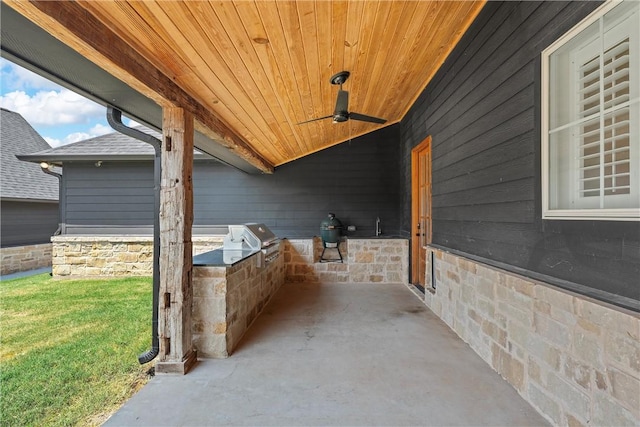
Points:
(342, 102)
(315, 120)
(364, 118)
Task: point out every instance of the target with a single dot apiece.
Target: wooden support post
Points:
(176, 219)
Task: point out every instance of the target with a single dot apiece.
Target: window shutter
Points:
(604, 139)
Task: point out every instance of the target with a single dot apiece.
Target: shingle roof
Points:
(112, 146)
(18, 179)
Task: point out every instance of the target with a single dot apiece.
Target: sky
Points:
(59, 115)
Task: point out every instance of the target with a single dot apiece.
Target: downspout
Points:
(114, 117)
(46, 168)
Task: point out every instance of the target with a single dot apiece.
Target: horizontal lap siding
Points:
(28, 223)
(482, 111)
(116, 194)
(356, 180)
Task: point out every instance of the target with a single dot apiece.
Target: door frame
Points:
(416, 249)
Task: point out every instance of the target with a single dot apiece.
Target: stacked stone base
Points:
(577, 361)
(25, 258)
(226, 300)
(364, 261)
(112, 256)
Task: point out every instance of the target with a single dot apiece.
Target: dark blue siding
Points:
(108, 199)
(357, 180)
(28, 223)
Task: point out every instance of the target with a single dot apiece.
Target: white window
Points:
(591, 118)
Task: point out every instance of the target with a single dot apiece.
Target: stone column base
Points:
(179, 368)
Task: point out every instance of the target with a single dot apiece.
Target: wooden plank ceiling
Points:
(261, 67)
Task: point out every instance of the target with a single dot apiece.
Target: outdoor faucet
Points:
(378, 231)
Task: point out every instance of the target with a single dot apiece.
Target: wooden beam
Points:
(73, 25)
(176, 263)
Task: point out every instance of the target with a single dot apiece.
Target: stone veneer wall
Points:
(365, 260)
(226, 300)
(25, 258)
(109, 256)
(576, 360)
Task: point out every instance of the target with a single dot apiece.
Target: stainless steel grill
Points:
(253, 237)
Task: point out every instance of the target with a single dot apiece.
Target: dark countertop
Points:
(221, 258)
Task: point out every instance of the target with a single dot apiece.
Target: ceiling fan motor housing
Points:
(339, 78)
(340, 117)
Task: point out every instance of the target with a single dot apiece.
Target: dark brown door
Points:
(421, 209)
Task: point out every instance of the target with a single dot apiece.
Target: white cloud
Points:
(100, 129)
(97, 130)
(42, 102)
(15, 77)
(51, 108)
(52, 141)
(131, 123)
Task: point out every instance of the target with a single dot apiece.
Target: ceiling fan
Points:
(341, 113)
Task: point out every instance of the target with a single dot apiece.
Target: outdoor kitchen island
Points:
(230, 289)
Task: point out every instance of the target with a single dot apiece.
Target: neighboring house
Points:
(542, 282)
(29, 198)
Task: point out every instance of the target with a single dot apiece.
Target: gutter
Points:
(114, 117)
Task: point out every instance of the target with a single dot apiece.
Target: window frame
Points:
(609, 214)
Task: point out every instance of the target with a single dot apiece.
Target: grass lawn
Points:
(68, 353)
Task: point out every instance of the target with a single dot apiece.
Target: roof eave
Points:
(28, 200)
(58, 159)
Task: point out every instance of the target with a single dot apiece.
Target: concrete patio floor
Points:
(337, 355)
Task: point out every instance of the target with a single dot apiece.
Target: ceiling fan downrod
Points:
(341, 112)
